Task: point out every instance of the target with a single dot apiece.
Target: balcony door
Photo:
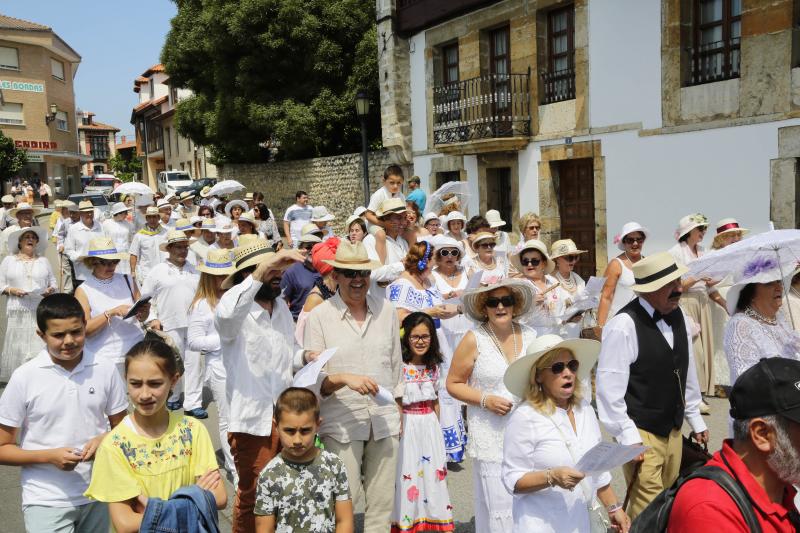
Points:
(576, 206)
(498, 193)
(500, 70)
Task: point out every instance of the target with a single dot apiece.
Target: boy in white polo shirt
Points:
(59, 404)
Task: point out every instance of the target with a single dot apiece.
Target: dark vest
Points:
(657, 382)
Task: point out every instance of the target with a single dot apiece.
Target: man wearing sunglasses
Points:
(647, 381)
(366, 330)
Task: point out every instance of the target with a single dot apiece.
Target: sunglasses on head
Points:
(446, 252)
(631, 240)
(530, 261)
(350, 274)
(559, 367)
(494, 301)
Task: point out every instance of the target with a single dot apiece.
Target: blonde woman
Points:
(553, 428)
(530, 226)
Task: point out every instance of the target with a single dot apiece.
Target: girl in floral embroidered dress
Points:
(153, 452)
(421, 501)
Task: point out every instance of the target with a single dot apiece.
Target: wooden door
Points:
(576, 205)
(498, 193)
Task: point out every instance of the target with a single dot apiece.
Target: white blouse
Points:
(747, 341)
(538, 443)
(28, 276)
(202, 335)
(114, 340)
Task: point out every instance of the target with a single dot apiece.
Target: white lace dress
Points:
(568, 294)
(542, 317)
(21, 342)
(748, 340)
(493, 503)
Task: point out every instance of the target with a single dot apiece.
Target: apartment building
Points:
(96, 140)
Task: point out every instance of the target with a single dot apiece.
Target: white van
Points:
(170, 181)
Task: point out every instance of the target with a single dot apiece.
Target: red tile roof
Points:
(97, 126)
(153, 103)
(158, 67)
(11, 23)
(126, 145)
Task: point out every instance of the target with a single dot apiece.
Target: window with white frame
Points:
(62, 121)
(9, 58)
(57, 68)
(11, 113)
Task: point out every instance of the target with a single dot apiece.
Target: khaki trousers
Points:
(376, 461)
(659, 470)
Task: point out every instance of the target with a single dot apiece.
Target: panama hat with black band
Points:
(251, 254)
(655, 271)
(173, 237)
(352, 256)
(391, 206)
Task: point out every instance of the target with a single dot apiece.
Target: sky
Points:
(117, 41)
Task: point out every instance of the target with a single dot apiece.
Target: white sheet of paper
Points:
(595, 285)
(606, 456)
(474, 280)
(307, 376)
(384, 397)
(579, 307)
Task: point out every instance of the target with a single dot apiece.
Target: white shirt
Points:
(379, 196)
(77, 245)
(145, 247)
(618, 352)
(257, 350)
(538, 443)
(172, 289)
(297, 220)
(684, 256)
(202, 336)
(60, 231)
(396, 250)
(114, 340)
(54, 408)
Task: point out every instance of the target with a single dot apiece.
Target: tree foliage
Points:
(273, 74)
(12, 159)
(125, 168)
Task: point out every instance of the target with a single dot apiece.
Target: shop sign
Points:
(26, 86)
(35, 158)
(37, 145)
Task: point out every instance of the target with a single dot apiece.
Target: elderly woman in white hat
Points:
(617, 290)
(25, 277)
(119, 230)
(535, 266)
(695, 301)
(493, 264)
(203, 338)
(565, 254)
(432, 224)
(554, 427)
(455, 226)
(23, 213)
(476, 378)
(106, 297)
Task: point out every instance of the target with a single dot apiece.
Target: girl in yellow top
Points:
(152, 452)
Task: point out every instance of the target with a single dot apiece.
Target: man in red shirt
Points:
(764, 457)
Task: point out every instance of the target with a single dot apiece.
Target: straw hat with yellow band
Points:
(218, 263)
(248, 254)
(103, 248)
(352, 256)
(655, 271)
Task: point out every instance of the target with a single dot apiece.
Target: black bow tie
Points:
(666, 318)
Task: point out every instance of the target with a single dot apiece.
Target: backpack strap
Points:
(734, 490)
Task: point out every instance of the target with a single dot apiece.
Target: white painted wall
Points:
(419, 108)
(422, 168)
(529, 179)
(624, 62)
(471, 166)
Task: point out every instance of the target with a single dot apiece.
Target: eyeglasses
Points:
(350, 274)
(494, 301)
(487, 245)
(108, 262)
(631, 240)
(559, 367)
(571, 258)
(419, 338)
(445, 253)
(530, 261)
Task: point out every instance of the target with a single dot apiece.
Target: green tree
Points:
(273, 76)
(12, 159)
(124, 168)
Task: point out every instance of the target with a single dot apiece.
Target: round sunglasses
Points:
(446, 252)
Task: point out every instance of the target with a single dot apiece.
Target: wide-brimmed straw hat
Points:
(218, 263)
(320, 214)
(25, 206)
(655, 271)
(173, 237)
(186, 195)
(118, 208)
(520, 288)
(16, 235)
(689, 222)
(233, 203)
(103, 248)
(564, 247)
(8, 199)
(352, 256)
(729, 225)
(627, 229)
(184, 224)
(533, 244)
(250, 254)
(517, 378)
(204, 191)
(480, 237)
(390, 206)
(493, 218)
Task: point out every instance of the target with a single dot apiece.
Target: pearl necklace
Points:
(755, 315)
(496, 341)
(570, 284)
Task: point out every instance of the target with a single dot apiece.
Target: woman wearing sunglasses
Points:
(571, 286)
(494, 265)
(554, 427)
(476, 378)
(106, 297)
(617, 292)
(533, 263)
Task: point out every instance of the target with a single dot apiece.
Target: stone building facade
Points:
(97, 141)
(592, 113)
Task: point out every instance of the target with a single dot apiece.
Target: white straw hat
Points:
(456, 215)
(103, 248)
(729, 225)
(218, 262)
(429, 216)
(443, 241)
(493, 218)
(16, 235)
(520, 288)
(25, 206)
(533, 244)
(655, 271)
(233, 203)
(689, 222)
(627, 229)
(118, 208)
(320, 214)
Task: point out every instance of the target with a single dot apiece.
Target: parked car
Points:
(197, 186)
(99, 201)
(169, 181)
(100, 184)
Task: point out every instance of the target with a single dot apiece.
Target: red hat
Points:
(322, 251)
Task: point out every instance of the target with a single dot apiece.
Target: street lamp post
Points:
(362, 110)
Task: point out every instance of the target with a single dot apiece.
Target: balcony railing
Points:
(487, 107)
(558, 85)
(715, 61)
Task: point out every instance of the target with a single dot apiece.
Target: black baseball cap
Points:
(770, 387)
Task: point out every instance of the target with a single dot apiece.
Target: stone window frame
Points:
(549, 74)
(730, 49)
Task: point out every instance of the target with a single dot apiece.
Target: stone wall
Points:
(335, 182)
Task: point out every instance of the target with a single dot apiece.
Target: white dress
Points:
(486, 430)
(747, 341)
(122, 234)
(623, 293)
(489, 276)
(114, 340)
(544, 441)
(566, 297)
(421, 499)
(543, 317)
(21, 342)
(405, 296)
